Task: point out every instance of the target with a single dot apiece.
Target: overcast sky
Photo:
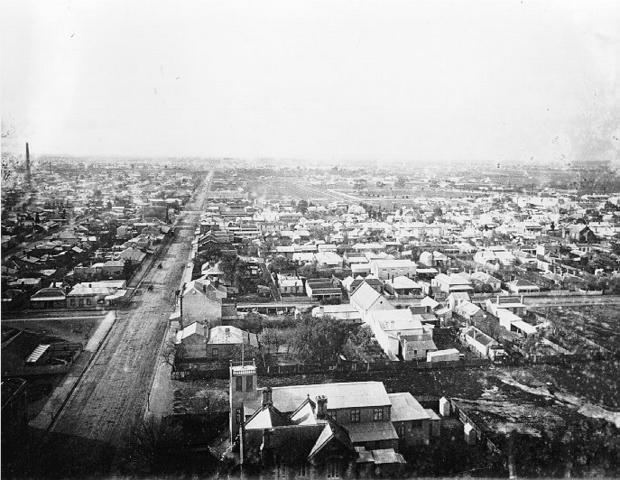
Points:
(329, 81)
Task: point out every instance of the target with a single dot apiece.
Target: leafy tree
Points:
(319, 340)
(252, 322)
(308, 270)
(281, 263)
(270, 340)
(162, 445)
(228, 265)
(357, 342)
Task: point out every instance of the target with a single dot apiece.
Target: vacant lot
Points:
(589, 323)
(70, 329)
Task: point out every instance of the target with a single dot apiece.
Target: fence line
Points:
(206, 369)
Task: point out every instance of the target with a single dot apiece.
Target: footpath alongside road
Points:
(60, 395)
(160, 401)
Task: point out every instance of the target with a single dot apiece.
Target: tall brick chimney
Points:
(321, 406)
(27, 163)
(267, 396)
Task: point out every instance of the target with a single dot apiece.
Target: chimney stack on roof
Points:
(267, 396)
(321, 406)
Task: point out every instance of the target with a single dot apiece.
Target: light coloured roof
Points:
(211, 270)
(524, 327)
(447, 351)
(48, 294)
(26, 281)
(429, 302)
(427, 270)
(326, 435)
(460, 295)
(467, 308)
(192, 329)
(406, 408)
(221, 335)
(365, 296)
(504, 314)
(452, 279)
(371, 431)
(404, 282)
(339, 395)
(84, 289)
(265, 418)
(305, 415)
(396, 319)
(399, 263)
(384, 456)
(431, 413)
(340, 308)
(118, 294)
(364, 456)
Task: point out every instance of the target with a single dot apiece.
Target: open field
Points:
(599, 324)
(33, 332)
(71, 329)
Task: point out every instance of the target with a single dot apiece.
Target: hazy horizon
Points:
(328, 82)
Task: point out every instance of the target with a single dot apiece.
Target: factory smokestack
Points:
(27, 163)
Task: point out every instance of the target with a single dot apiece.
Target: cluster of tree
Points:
(256, 323)
(166, 446)
(358, 342)
(282, 264)
(312, 340)
(237, 273)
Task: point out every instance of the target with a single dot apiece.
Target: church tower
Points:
(243, 391)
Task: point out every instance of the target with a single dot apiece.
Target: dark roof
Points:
(295, 442)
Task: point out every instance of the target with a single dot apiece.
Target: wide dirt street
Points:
(93, 428)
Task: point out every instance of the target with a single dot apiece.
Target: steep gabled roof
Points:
(194, 328)
(364, 297)
(267, 417)
(304, 415)
(332, 432)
